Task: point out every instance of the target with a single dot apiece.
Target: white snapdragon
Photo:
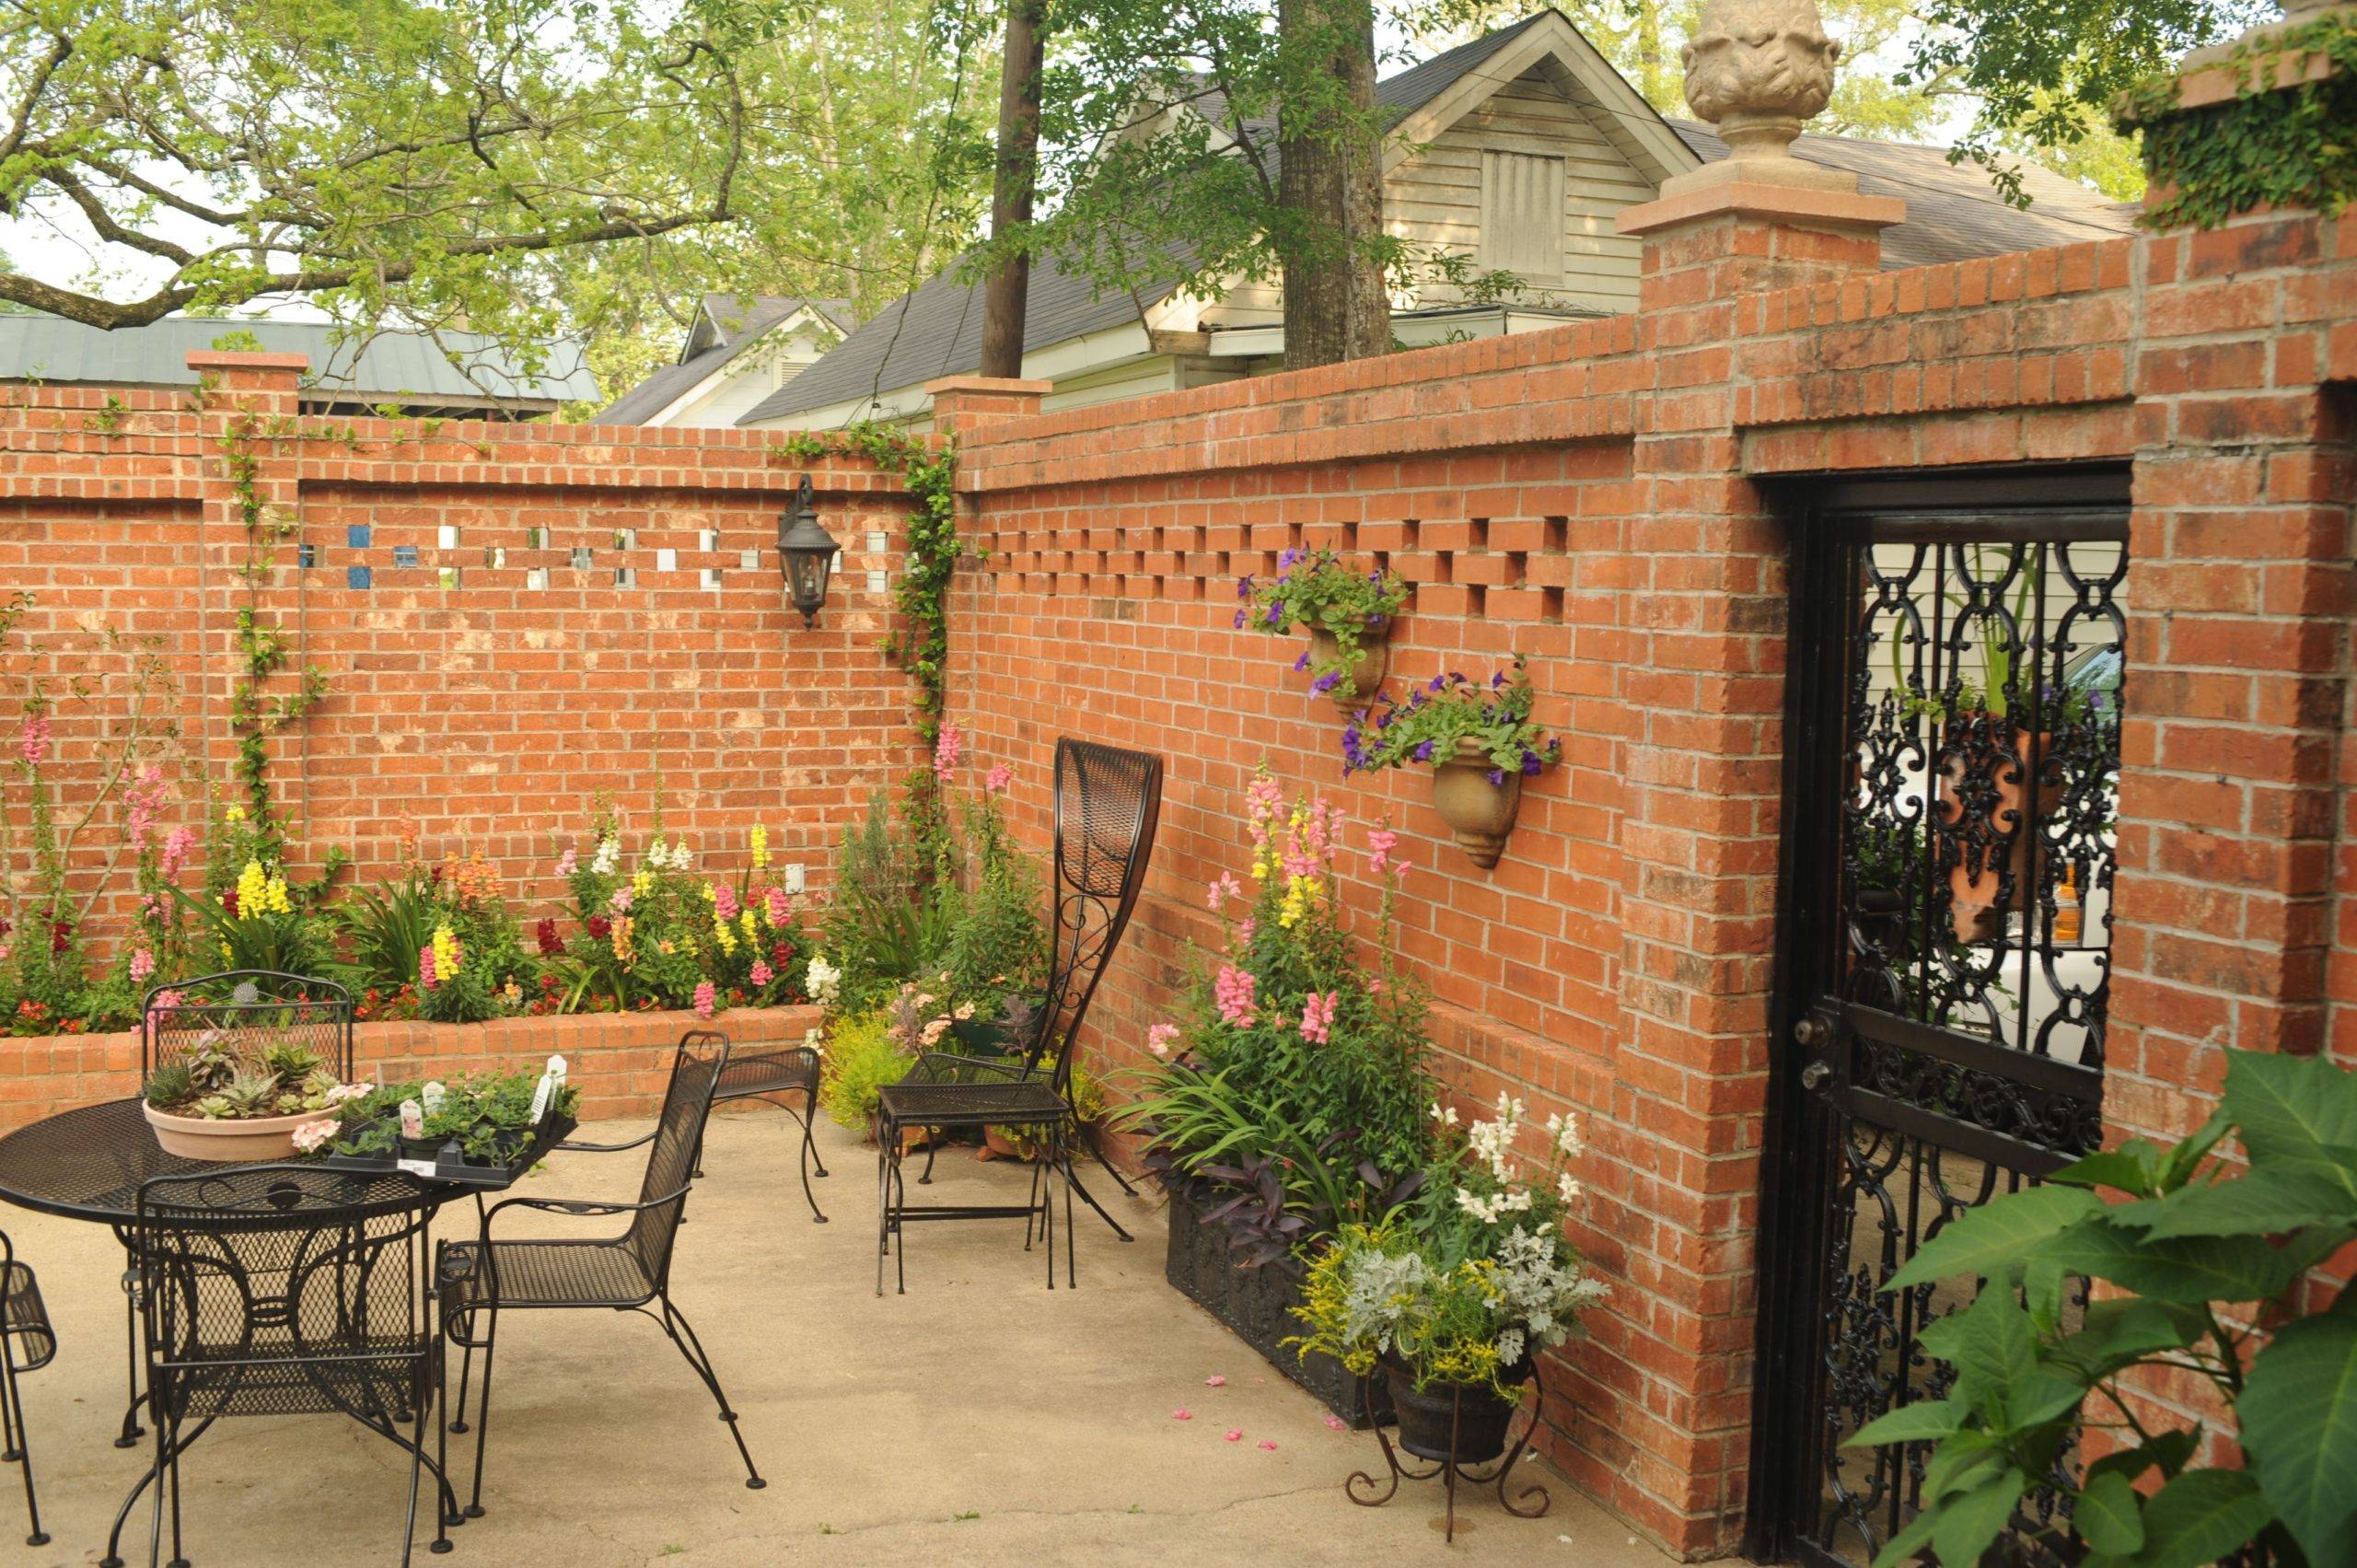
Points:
(609, 855)
(825, 982)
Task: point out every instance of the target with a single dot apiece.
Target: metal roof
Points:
(381, 367)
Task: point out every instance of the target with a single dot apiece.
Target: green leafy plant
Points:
(2194, 1251)
(384, 931)
(218, 1083)
(1452, 708)
(262, 921)
(1317, 589)
(489, 1114)
(861, 1057)
(997, 947)
(888, 922)
(2272, 146)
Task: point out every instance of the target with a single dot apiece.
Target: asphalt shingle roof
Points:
(385, 367)
(728, 324)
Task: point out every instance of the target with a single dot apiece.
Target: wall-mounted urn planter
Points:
(1479, 814)
(1362, 678)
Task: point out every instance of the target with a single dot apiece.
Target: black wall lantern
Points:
(806, 554)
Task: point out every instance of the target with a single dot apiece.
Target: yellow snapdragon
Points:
(445, 953)
(253, 891)
(761, 847)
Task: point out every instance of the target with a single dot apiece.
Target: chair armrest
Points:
(607, 1148)
(576, 1206)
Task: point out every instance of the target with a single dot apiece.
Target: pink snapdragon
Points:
(1380, 841)
(945, 751)
(35, 739)
(707, 998)
(1001, 779)
(1318, 1015)
(426, 978)
(619, 902)
(568, 862)
(723, 902)
(142, 964)
(761, 973)
(179, 844)
(1264, 802)
(1246, 928)
(780, 910)
(1227, 887)
(1237, 992)
(141, 801)
(1158, 1038)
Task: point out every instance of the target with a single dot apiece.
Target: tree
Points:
(1329, 153)
(1014, 184)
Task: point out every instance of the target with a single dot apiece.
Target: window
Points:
(1522, 215)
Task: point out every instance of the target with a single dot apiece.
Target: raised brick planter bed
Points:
(619, 1061)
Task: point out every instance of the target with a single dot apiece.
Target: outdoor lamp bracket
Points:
(806, 554)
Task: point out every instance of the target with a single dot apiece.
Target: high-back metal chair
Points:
(1108, 804)
(283, 1289)
(479, 1280)
(27, 1343)
(780, 1076)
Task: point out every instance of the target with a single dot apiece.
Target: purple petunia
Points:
(1239, 621)
(1424, 753)
(1302, 663)
(1497, 681)
(1437, 683)
(1243, 588)
(1531, 764)
(1327, 681)
(1276, 613)
(1497, 775)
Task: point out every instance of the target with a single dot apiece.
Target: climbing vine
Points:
(2292, 146)
(256, 712)
(919, 641)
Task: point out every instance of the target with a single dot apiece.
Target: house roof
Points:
(726, 326)
(1953, 213)
(382, 367)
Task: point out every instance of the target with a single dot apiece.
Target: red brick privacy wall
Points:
(1594, 498)
(491, 714)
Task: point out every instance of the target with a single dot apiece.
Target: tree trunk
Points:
(1330, 175)
(1007, 294)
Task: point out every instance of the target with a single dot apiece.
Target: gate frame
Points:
(1797, 1167)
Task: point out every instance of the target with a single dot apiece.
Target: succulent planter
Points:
(1256, 1304)
(1364, 675)
(249, 1140)
(1465, 1422)
(1479, 814)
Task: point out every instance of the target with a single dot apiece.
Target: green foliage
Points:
(862, 1057)
(384, 931)
(888, 922)
(2268, 146)
(490, 1114)
(2194, 1246)
(998, 948)
(220, 1083)
(1314, 588)
(1450, 708)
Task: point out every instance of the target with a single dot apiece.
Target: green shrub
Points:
(861, 1058)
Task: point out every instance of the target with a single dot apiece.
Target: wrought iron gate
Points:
(1951, 786)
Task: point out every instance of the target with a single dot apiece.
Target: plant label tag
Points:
(412, 1120)
(414, 1167)
(432, 1096)
(551, 1081)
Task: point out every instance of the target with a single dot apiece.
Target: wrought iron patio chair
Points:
(27, 1343)
(1108, 803)
(770, 1076)
(622, 1274)
(239, 1012)
(286, 1289)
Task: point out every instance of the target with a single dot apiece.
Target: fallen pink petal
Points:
(1182, 1414)
(1269, 1444)
(1336, 1422)
(1235, 1434)
(1214, 1381)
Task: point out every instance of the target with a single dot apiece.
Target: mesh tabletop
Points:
(972, 1104)
(767, 1073)
(88, 1163)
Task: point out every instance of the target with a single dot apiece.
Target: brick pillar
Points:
(1701, 835)
(964, 405)
(248, 401)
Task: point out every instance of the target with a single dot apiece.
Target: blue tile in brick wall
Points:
(357, 536)
(355, 576)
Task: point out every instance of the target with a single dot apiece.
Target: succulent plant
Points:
(170, 1084)
(250, 1092)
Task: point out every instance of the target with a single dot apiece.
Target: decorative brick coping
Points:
(620, 1060)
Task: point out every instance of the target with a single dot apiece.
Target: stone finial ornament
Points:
(1757, 70)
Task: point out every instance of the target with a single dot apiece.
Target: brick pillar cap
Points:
(1003, 386)
(221, 359)
(1753, 199)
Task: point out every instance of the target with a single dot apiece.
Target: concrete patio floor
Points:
(977, 1419)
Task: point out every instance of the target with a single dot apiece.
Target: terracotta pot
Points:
(1977, 882)
(1479, 814)
(997, 1146)
(252, 1141)
(1360, 681)
(1478, 1417)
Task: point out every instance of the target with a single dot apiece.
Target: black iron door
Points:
(1952, 784)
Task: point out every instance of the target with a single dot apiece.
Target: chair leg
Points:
(20, 1443)
(809, 1116)
(156, 1511)
(466, 1369)
(931, 1146)
(483, 1413)
(1032, 1211)
(900, 1225)
(684, 1336)
(132, 1431)
(416, 1473)
(445, 1501)
(1071, 1281)
(883, 1204)
(808, 1111)
(180, 1555)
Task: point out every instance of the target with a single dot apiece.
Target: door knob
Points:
(1808, 1031)
(1813, 1076)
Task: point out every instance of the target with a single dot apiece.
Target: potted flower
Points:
(1455, 1306)
(1347, 612)
(487, 1115)
(1479, 741)
(219, 1104)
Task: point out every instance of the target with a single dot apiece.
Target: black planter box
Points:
(1257, 1305)
(449, 1164)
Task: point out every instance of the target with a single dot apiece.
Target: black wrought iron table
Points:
(88, 1162)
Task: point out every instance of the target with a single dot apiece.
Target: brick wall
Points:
(494, 711)
(1597, 498)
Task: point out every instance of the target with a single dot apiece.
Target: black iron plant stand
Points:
(1361, 1488)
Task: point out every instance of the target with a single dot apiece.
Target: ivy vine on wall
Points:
(2269, 146)
(919, 641)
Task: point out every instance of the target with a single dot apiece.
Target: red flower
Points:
(780, 954)
(229, 903)
(546, 931)
(61, 935)
(599, 928)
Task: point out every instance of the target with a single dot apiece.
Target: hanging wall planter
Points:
(1478, 800)
(1347, 612)
(1479, 741)
(1357, 679)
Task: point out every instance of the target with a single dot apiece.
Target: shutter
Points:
(1522, 215)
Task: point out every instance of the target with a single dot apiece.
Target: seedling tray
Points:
(451, 1165)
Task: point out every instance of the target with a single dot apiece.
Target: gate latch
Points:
(1816, 1033)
